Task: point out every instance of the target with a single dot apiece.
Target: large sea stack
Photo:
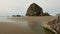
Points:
(34, 10)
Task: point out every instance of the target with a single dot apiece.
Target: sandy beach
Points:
(23, 25)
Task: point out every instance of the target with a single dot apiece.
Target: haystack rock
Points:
(34, 10)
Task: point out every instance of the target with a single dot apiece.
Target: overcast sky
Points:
(13, 7)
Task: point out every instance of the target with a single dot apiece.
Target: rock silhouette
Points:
(16, 15)
(34, 10)
(46, 14)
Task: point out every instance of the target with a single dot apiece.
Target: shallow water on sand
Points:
(11, 26)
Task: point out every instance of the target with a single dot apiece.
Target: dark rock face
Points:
(34, 10)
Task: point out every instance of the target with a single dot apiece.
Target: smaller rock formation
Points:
(46, 14)
(16, 15)
(13, 15)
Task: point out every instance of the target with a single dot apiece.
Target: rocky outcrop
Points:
(35, 10)
(55, 24)
(46, 14)
(57, 14)
(16, 15)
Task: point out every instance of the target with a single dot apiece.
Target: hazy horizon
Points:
(14, 7)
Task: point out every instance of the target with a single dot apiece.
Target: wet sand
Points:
(20, 25)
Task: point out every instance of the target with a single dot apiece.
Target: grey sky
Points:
(10, 7)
